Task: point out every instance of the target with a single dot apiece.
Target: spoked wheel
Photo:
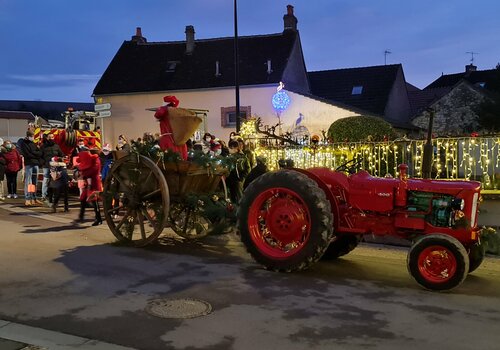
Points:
(285, 221)
(136, 200)
(188, 222)
(438, 262)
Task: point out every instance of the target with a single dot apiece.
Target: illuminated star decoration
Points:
(281, 100)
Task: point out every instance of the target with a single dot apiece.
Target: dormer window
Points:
(357, 90)
(171, 66)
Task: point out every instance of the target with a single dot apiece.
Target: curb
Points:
(38, 338)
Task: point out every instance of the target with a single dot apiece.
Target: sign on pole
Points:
(104, 114)
(102, 107)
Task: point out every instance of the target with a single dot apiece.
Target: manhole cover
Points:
(178, 308)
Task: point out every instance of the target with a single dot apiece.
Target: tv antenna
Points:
(386, 52)
(472, 53)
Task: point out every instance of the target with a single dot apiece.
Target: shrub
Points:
(360, 128)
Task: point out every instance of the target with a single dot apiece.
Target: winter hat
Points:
(57, 161)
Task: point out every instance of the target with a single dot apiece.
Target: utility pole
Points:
(428, 148)
(236, 69)
(386, 52)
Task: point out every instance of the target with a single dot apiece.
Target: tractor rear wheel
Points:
(438, 262)
(285, 221)
(476, 256)
(341, 245)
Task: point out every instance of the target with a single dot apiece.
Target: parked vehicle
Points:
(289, 219)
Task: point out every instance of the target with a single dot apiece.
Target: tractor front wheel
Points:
(285, 221)
(438, 262)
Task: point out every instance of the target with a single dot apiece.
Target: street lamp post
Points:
(236, 68)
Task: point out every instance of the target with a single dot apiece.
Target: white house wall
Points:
(130, 117)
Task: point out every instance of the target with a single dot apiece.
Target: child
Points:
(240, 170)
(58, 183)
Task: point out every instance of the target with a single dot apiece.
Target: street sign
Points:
(103, 114)
(102, 107)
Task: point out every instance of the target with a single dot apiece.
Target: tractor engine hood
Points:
(452, 187)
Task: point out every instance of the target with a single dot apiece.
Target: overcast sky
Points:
(56, 50)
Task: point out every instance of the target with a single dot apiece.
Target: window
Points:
(228, 115)
(481, 84)
(171, 66)
(357, 90)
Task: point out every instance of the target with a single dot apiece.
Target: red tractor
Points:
(289, 219)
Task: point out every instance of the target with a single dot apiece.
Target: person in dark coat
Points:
(3, 163)
(58, 182)
(240, 169)
(14, 163)
(50, 149)
(258, 170)
(32, 161)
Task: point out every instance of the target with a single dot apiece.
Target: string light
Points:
(454, 158)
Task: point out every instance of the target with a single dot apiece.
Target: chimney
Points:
(138, 38)
(189, 40)
(289, 20)
(470, 68)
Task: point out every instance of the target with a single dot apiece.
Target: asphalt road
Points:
(75, 280)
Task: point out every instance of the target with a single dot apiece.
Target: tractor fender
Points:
(328, 192)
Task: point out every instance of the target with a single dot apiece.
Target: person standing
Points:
(32, 161)
(14, 163)
(89, 166)
(3, 163)
(239, 171)
(123, 144)
(58, 183)
(50, 149)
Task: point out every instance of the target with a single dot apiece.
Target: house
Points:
(455, 99)
(45, 109)
(200, 73)
(13, 124)
(380, 91)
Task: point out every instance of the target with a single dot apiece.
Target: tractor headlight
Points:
(458, 204)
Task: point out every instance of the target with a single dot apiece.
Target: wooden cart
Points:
(142, 196)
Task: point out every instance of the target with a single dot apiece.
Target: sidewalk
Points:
(15, 336)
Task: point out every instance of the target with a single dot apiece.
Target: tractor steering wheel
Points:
(350, 166)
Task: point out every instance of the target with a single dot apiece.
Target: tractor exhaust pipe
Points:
(428, 148)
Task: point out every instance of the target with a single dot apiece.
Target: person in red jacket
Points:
(166, 138)
(13, 164)
(89, 166)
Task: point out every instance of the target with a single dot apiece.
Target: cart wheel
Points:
(136, 200)
(438, 262)
(188, 222)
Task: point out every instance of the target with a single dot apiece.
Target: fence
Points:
(471, 158)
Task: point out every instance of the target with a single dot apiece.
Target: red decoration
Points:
(166, 138)
(474, 134)
(89, 166)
